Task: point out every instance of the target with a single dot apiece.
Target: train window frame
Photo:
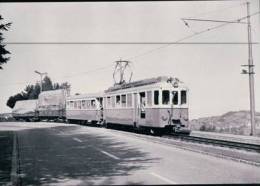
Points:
(113, 100)
(88, 104)
(181, 100)
(172, 99)
(108, 101)
(157, 98)
(71, 104)
(144, 100)
(93, 103)
(123, 101)
(117, 100)
(83, 104)
(79, 104)
(164, 102)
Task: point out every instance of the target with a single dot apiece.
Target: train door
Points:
(141, 108)
(135, 113)
(100, 109)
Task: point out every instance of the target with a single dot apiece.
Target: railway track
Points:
(217, 142)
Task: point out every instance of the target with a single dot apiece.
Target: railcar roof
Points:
(143, 82)
(89, 95)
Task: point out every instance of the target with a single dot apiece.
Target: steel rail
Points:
(218, 142)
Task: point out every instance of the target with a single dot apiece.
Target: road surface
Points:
(65, 154)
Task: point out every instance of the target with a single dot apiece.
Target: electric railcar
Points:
(156, 105)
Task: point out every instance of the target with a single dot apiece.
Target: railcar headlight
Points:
(164, 118)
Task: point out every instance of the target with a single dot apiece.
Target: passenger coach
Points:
(85, 108)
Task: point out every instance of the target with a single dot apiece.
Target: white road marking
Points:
(110, 155)
(163, 178)
(77, 139)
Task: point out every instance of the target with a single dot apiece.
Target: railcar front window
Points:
(175, 97)
(183, 97)
(156, 97)
(165, 97)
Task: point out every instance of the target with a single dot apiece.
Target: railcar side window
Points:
(108, 102)
(183, 97)
(83, 103)
(156, 97)
(149, 98)
(75, 105)
(165, 97)
(118, 100)
(71, 104)
(93, 103)
(175, 97)
(113, 101)
(88, 104)
(129, 100)
(123, 98)
(79, 104)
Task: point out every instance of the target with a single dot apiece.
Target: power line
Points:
(66, 76)
(126, 43)
(192, 35)
(178, 42)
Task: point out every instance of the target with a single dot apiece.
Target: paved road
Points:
(62, 154)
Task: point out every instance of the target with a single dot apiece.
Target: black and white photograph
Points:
(129, 93)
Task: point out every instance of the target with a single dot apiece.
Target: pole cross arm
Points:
(247, 65)
(212, 20)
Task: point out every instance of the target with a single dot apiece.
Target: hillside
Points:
(237, 122)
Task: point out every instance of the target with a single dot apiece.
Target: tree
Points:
(47, 84)
(12, 100)
(3, 51)
(66, 86)
(33, 91)
(56, 86)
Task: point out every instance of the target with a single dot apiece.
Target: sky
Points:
(211, 71)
